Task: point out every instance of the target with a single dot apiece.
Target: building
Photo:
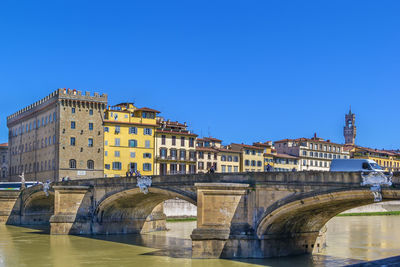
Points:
(285, 163)
(350, 129)
(251, 157)
(4, 162)
(175, 148)
(58, 136)
(268, 154)
(129, 140)
(314, 154)
(388, 160)
(211, 153)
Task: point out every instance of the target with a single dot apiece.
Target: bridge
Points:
(243, 215)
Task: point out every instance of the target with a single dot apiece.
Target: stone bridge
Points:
(244, 215)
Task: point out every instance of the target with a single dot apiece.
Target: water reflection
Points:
(349, 240)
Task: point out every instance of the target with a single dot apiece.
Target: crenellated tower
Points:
(350, 129)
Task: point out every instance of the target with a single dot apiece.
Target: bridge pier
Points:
(71, 211)
(10, 207)
(217, 204)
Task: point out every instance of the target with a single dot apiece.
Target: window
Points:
(304, 162)
(72, 110)
(147, 131)
(54, 116)
(235, 158)
(90, 126)
(106, 153)
(201, 155)
(106, 129)
(147, 143)
(133, 154)
(132, 130)
(132, 143)
(200, 165)
(247, 162)
(72, 125)
(182, 141)
(107, 166)
(72, 141)
(305, 153)
(247, 152)
(117, 129)
(147, 155)
(146, 166)
(173, 140)
(106, 143)
(117, 142)
(259, 163)
(253, 163)
(90, 164)
(182, 154)
(208, 155)
(163, 153)
(223, 168)
(148, 115)
(223, 158)
(163, 139)
(72, 164)
(235, 169)
(90, 142)
(116, 165)
(191, 142)
(116, 154)
(229, 158)
(90, 112)
(173, 153)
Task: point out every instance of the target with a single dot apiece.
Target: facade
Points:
(388, 160)
(211, 153)
(350, 129)
(314, 154)
(285, 163)
(59, 136)
(175, 148)
(129, 140)
(268, 154)
(4, 162)
(251, 157)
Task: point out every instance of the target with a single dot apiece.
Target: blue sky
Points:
(242, 71)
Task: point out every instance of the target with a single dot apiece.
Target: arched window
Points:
(72, 164)
(90, 164)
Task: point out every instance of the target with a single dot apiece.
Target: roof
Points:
(247, 146)
(371, 150)
(308, 139)
(208, 149)
(148, 110)
(262, 144)
(4, 145)
(209, 139)
(175, 132)
(286, 156)
(227, 150)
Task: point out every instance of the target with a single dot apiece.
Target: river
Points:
(349, 240)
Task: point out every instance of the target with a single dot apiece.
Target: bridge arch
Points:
(126, 211)
(37, 207)
(297, 220)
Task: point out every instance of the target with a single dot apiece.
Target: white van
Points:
(355, 165)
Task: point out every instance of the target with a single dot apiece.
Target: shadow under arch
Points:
(291, 226)
(126, 211)
(37, 208)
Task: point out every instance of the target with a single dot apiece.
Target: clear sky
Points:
(241, 71)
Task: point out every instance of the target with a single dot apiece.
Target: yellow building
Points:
(269, 150)
(388, 160)
(211, 153)
(251, 157)
(129, 140)
(285, 163)
(175, 149)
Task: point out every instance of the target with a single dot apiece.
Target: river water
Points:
(349, 240)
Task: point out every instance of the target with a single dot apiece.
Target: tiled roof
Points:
(209, 139)
(4, 145)
(175, 132)
(247, 146)
(208, 149)
(308, 139)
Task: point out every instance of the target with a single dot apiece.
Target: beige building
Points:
(314, 154)
(174, 148)
(58, 136)
(211, 153)
(251, 157)
(285, 163)
(4, 162)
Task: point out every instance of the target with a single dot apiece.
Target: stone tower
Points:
(350, 130)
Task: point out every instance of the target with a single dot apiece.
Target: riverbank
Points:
(378, 213)
(188, 219)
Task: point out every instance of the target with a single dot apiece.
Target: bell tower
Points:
(350, 129)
